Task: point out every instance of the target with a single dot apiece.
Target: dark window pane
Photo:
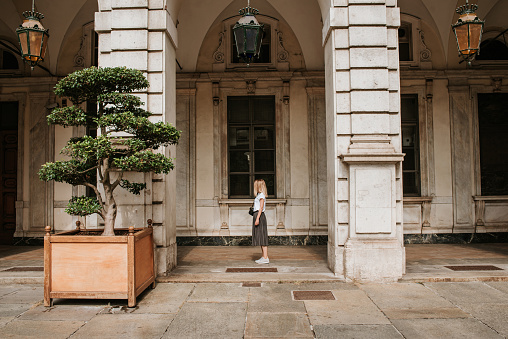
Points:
(264, 110)
(410, 183)
(410, 145)
(409, 107)
(8, 115)
(405, 43)
(238, 138)
(493, 50)
(270, 182)
(239, 161)
(409, 163)
(264, 161)
(264, 138)
(493, 124)
(238, 110)
(10, 61)
(239, 185)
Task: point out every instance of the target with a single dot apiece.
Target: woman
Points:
(259, 229)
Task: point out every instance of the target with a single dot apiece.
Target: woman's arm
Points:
(261, 204)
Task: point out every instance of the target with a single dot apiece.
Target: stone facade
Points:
(339, 141)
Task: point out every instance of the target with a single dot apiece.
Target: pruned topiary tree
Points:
(126, 139)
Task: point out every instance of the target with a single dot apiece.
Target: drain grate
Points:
(251, 269)
(313, 295)
(24, 269)
(474, 268)
(251, 284)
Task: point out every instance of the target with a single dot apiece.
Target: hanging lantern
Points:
(248, 34)
(468, 31)
(32, 37)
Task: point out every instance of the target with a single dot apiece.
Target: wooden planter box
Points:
(98, 267)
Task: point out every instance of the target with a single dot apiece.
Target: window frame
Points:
(490, 35)
(21, 70)
(415, 40)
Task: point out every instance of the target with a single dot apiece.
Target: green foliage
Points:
(83, 206)
(133, 187)
(117, 112)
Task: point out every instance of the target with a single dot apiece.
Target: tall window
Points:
(493, 124)
(405, 43)
(251, 144)
(410, 145)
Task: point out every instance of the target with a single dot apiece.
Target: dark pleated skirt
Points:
(259, 232)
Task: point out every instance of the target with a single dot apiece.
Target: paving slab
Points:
(425, 313)
(4, 290)
(493, 315)
(29, 295)
(278, 325)
(500, 286)
(404, 295)
(39, 329)
(125, 326)
(356, 331)
(444, 328)
(219, 293)
(209, 320)
(350, 308)
(165, 298)
(274, 298)
(80, 313)
(461, 293)
(13, 310)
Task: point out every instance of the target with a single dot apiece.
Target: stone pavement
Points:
(230, 310)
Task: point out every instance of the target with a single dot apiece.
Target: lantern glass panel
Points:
(251, 37)
(44, 45)
(35, 43)
(475, 33)
(240, 40)
(462, 37)
(23, 42)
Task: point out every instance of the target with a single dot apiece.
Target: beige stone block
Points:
(129, 39)
(394, 124)
(343, 102)
(118, 4)
(105, 59)
(366, 2)
(156, 82)
(300, 216)
(129, 59)
(343, 234)
(156, 4)
(130, 18)
(102, 22)
(368, 57)
(104, 5)
(343, 212)
(63, 191)
(157, 20)
(130, 215)
(367, 15)
(369, 79)
(370, 124)
(394, 102)
(204, 219)
(342, 59)
(63, 221)
(341, 38)
(155, 61)
(342, 190)
(156, 118)
(393, 17)
(155, 103)
(367, 36)
(340, 3)
(393, 59)
(339, 17)
(143, 97)
(155, 41)
(370, 101)
(391, 3)
(392, 38)
(342, 81)
(394, 80)
(104, 42)
(343, 122)
(343, 142)
(157, 213)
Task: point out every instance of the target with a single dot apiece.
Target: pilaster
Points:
(362, 75)
(141, 34)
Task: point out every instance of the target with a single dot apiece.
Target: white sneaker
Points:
(263, 261)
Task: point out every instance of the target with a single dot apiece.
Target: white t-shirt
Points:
(257, 203)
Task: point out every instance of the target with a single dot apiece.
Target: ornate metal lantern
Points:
(248, 34)
(468, 31)
(32, 37)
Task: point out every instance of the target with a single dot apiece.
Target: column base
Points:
(165, 259)
(374, 260)
(336, 259)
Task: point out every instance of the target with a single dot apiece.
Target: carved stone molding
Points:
(425, 53)
(282, 54)
(218, 55)
(251, 86)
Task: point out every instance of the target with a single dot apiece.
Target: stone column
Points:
(363, 140)
(141, 34)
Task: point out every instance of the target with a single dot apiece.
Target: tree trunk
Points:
(110, 207)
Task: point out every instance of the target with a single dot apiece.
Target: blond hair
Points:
(260, 186)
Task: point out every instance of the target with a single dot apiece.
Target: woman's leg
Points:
(264, 250)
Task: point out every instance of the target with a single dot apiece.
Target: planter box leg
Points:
(131, 302)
